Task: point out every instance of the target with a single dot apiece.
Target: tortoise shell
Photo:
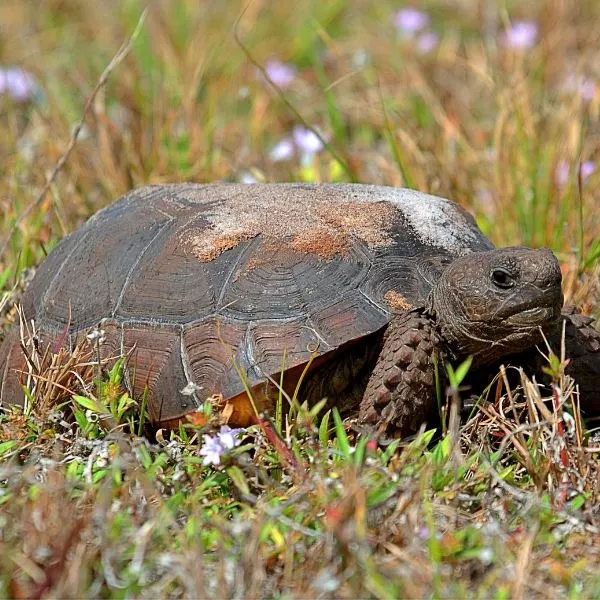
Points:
(215, 287)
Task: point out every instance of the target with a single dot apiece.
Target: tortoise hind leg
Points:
(343, 378)
(400, 394)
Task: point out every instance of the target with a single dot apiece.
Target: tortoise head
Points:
(489, 304)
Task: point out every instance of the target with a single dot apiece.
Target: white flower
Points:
(96, 334)
(486, 556)
(247, 178)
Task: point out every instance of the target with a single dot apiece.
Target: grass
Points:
(507, 505)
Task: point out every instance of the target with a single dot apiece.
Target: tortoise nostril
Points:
(554, 278)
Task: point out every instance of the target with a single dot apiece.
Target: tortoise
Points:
(354, 289)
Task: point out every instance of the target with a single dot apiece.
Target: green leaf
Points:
(466, 466)
(457, 377)
(73, 470)
(142, 415)
(99, 475)
(341, 436)
(81, 419)
(30, 399)
(333, 109)
(6, 447)
(593, 254)
(506, 474)
(115, 375)
(324, 429)
(125, 402)
(144, 457)
(441, 452)
(389, 452)
(378, 495)
(239, 479)
(316, 409)
(422, 441)
(359, 451)
(92, 405)
(4, 278)
(577, 502)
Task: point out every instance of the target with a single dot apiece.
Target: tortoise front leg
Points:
(400, 394)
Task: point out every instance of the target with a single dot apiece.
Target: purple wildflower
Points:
(561, 175)
(283, 150)
(520, 35)
(587, 89)
(306, 140)
(303, 140)
(563, 171)
(211, 450)
(17, 83)
(584, 86)
(427, 41)
(281, 74)
(228, 437)
(587, 168)
(216, 445)
(409, 21)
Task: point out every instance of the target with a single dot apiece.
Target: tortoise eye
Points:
(502, 279)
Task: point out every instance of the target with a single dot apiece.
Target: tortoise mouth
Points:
(535, 316)
(536, 308)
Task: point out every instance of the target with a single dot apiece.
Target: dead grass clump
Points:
(52, 376)
(540, 427)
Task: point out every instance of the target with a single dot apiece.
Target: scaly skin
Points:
(487, 305)
(400, 392)
(582, 348)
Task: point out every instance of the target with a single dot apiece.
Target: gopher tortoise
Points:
(355, 290)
